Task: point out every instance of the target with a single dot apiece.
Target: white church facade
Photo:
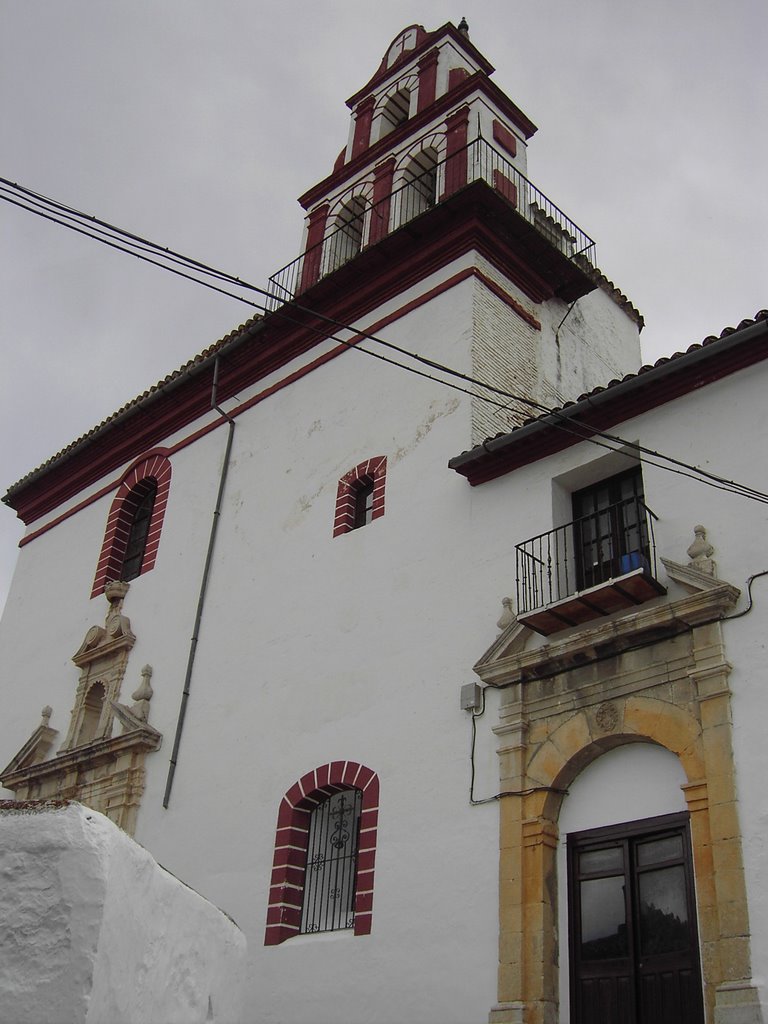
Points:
(258, 608)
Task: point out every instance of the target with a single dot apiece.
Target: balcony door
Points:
(632, 925)
(610, 531)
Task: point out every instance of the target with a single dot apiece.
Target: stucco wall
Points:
(95, 931)
(720, 428)
(312, 648)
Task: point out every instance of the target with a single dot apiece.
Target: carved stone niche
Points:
(93, 766)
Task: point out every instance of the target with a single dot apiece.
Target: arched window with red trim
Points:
(134, 523)
(325, 849)
(360, 495)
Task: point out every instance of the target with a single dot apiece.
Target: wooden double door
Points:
(633, 935)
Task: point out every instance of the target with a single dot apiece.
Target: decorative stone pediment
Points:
(93, 766)
(507, 660)
(37, 747)
(701, 572)
(512, 639)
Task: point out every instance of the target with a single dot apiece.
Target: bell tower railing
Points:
(415, 197)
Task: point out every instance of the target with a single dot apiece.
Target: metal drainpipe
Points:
(203, 586)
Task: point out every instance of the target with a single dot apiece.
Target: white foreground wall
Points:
(96, 932)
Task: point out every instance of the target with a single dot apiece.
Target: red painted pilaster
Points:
(310, 271)
(363, 120)
(382, 200)
(456, 131)
(427, 80)
(456, 76)
(505, 138)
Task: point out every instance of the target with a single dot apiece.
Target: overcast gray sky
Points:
(198, 123)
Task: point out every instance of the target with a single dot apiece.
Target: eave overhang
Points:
(603, 408)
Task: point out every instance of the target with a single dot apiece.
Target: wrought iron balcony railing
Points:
(597, 549)
(360, 225)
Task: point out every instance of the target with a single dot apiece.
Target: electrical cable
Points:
(141, 246)
(505, 792)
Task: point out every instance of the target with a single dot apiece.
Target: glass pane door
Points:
(633, 938)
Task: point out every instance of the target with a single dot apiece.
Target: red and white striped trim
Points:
(291, 838)
(156, 466)
(373, 471)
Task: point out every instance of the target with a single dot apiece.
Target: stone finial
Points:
(700, 552)
(46, 713)
(463, 27)
(508, 615)
(115, 591)
(143, 694)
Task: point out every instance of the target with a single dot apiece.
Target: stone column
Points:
(716, 835)
(512, 748)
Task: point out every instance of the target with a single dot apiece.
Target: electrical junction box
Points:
(470, 697)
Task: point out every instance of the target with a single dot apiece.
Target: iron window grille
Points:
(329, 885)
(139, 531)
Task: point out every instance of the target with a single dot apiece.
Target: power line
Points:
(139, 247)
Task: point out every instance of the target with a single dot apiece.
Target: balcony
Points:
(599, 564)
(425, 184)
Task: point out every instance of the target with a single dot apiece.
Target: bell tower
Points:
(433, 184)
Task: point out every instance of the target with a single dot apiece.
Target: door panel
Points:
(634, 951)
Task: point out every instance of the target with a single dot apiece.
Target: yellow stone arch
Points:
(541, 761)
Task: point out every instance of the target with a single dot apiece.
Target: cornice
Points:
(652, 623)
(97, 753)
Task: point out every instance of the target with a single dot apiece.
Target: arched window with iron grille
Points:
(360, 495)
(132, 536)
(142, 501)
(325, 852)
